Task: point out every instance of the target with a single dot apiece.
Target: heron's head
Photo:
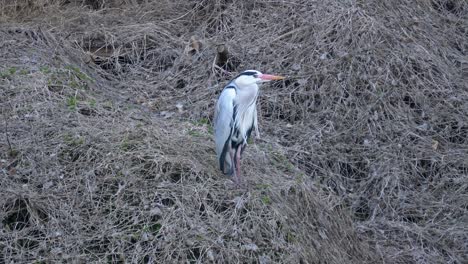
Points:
(250, 77)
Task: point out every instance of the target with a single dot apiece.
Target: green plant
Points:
(8, 73)
(92, 102)
(13, 153)
(266, 199)
(12, 70)
(73, 141)
(210, 130)
(282, 161)
(108, 105)
(128, 144)
(4, 75)
(78, 73)
(44, 69)
(195, 133)
(72, 103)
(152, 228)
(290, 237)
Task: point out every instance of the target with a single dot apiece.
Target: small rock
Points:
(239, 202)
(29, 117)
(180, 107)
(210, 255)
(423, 127)
(47, 185)
(251, 247)
(435, 144)
(144, 236)
(264, 259)
(155, 212)
(189, 242)
(56, 250)
(322, 234)
(340, 76)
(167, 114)
(302, 81)
(324, 56)
(140, 99)
(220, 241)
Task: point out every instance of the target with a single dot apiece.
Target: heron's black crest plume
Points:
(246, 73)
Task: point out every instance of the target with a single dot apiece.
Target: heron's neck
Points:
(246, 95)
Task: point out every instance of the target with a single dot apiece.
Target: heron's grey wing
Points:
(223, 123)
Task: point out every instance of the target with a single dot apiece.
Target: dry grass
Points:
(107, 152)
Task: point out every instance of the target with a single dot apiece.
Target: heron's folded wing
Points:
(223, 119)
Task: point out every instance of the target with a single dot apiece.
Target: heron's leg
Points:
(232, 154)
(238, 169)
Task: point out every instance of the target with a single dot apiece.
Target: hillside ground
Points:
(106, 142)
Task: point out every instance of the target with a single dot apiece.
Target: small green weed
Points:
(4, 75)
(153, 228)
(7, 74)
(44, 69)
(282, 161)
(290, 237)
(211, 130)
(13, 153)
(92, 102)
(72, 103)
(266, 200)
(108, 105)
(78, 73)
(263, 186)
(195, 133)
(12, 70)
(128, 144)
(73, 141)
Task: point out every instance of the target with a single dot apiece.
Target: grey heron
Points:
(236, 117)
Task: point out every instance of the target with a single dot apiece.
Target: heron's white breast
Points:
(246, 105)
(246, 121)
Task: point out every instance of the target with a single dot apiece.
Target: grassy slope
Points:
(363, 149)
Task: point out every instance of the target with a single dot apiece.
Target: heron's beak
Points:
(269, 77)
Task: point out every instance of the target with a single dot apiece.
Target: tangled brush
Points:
(107, 151)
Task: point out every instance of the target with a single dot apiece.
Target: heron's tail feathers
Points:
(229, 169)
(226, 166)
(225, 162)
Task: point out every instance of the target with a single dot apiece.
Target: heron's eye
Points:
(255, 75)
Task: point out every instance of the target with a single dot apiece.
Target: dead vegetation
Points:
(106, 144)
